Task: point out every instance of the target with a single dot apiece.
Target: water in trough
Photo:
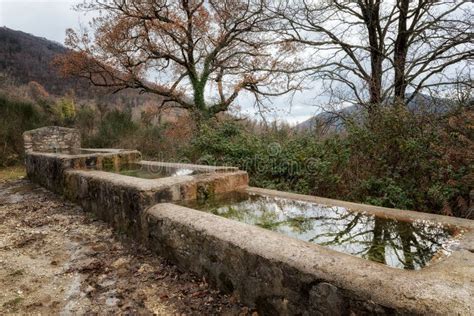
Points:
(399, 244)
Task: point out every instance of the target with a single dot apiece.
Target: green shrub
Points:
(273, 159)
(401, 159)
(86, 120)
(15, 118)
(150, 141)
(115, 126)
(66, 110)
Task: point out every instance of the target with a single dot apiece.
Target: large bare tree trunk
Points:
(371, 13)
(400, 52)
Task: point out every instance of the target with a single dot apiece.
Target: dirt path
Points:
(57, 259)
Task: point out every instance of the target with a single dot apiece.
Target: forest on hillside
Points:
(25, 58)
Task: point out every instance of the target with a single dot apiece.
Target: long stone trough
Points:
(267, 270)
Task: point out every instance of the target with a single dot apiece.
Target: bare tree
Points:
(197, 54)
(380, 50)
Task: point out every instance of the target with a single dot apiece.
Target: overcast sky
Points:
(50, 19)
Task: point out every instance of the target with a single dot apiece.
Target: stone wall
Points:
(48, 169)
(122, 201)
(51, 139)
(280, 275)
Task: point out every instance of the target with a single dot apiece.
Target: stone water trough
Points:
(281, 253)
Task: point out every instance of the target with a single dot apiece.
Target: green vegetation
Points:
(13, 304)
(15, 117)
(12, 173)
(403, 160)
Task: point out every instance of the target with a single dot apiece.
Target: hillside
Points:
(25, 57)
(334, 121)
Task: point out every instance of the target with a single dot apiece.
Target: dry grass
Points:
(12, 173)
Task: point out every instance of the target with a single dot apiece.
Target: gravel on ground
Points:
(57, 259)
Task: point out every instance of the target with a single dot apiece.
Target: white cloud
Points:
(44, 18)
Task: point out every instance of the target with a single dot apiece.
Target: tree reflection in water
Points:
(406, 245)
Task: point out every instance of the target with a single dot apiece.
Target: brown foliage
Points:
(37, 91)
(204, 53)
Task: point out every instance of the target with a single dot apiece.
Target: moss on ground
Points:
(12, 173)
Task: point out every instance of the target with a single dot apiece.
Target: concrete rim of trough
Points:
(188, 166)
(384, 212)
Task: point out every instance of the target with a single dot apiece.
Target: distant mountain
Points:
(328, 120)
(334, 121)
(25, 58)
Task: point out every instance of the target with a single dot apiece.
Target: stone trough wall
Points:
(48, 169)
(51, 139)
(280, 275)
(122, 201)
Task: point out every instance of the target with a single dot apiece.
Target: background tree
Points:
(37, 91)
(198, 55)
(369, 51)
